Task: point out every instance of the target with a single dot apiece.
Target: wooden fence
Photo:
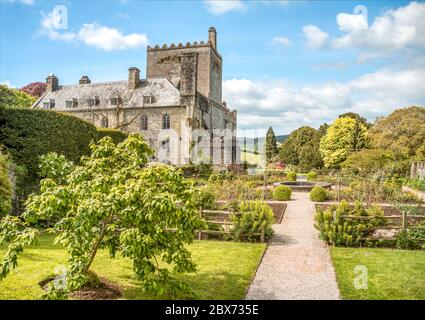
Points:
(403, 224)
(201, 233)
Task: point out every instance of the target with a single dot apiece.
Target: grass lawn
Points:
(392, 274)
(224, 271)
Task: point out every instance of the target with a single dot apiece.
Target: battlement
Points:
(179, 46)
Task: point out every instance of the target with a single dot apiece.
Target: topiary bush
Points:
(311, 176)
(28, 134)
(291, 176)
(117, 136)
(282, 193)
(318, 194)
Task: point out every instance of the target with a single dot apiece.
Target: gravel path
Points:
(296, 264)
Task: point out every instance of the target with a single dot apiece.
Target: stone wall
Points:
(166, 62)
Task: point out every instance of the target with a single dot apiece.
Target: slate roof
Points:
(163, 91)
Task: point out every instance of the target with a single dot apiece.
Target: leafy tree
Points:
(35, 89)
(402, 132)
(15, 98)
(302, 149)
(115, 200)
(344, 136)
(271, 145)
(365, 162)
(356, 116)
(5, 186)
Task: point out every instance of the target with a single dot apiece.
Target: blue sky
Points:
(286, 63)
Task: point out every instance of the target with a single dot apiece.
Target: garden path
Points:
(296, 264)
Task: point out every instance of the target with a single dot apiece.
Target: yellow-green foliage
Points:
(5, 186)
(346, 231)
(311, 176)
(250, 218)
(291, 176)
(318, 194)
(14, 98)
(342, 137)
(282, 193)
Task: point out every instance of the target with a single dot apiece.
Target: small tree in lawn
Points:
(271, 145)
(115, 200)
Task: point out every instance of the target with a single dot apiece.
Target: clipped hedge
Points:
(318, 194)
(5, 186)
(291, 176)
(311, 176)
(117, 136)
(29, 133)
(282, 193)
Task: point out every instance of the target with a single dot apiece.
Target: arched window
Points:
(165, 121)
(144, 123)
(104, 123)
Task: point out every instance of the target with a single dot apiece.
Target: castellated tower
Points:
(176, 62)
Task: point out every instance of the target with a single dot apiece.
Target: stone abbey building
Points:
(178, 108)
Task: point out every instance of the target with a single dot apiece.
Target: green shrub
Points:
(311, 176)
(205, 198)
(291, 176)
(117, 136)
(28, 134)
(318, 194)
(5, 186)
(250, 218)
(15, 98)
(339, 231)
(282, 193)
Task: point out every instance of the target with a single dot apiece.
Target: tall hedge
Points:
(27, 134)
(116, 135)
(5, 186)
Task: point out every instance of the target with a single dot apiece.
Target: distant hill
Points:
(261, 141)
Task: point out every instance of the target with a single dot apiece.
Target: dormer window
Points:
(93, 102)
(149, 99)
(70, 104)
(116, 101)
(49, 104)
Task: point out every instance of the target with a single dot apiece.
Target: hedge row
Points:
(5, 185)
(27, 134)
(116, 135)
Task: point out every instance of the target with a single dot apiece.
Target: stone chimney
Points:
(212, 37)
(133, 78)
(84, 80)
(52, 83)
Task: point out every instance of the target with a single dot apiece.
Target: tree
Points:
(123, 100)
(356, 116)
(271, 145)
(344, 136)
(365, 162)
(15, 98)
(35, 89)
(115, 200)
(402, 132)
(302, 149)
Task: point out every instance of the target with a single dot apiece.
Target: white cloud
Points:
(109, 38)
(278, 103)
(6, 83)
(218, 7)
(395, 29)
(92, 34)
(26, 2)
(282, 41)
(315, 37)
